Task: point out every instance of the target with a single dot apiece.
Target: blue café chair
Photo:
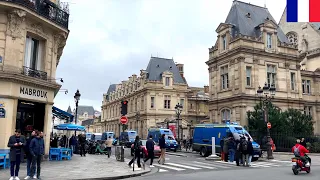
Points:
(65, 153)
(55, 153)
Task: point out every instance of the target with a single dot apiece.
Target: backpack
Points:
(137, 145)
(244, 145)
(296, 151)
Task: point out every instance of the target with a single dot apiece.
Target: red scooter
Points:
(298, 165)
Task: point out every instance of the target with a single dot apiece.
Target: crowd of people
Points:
(150, 148)
(32, 147)
(239, 150)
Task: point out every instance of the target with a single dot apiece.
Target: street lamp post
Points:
(178, 113)
(138, 120)
(76, 99)
(268, 93)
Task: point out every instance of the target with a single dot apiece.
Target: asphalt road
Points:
(274, 173)
(189, 164)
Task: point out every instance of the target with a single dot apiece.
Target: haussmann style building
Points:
(251, 50)
(32, 37)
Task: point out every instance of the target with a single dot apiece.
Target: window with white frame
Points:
(224, 42)
(224, 77)
(248, 75)
(167, 81)
(308, 110)
(225, 115)
(33, 57)
(306, 86)
(182, 102)
(152, 102)
(271, 74)
(167, 101)
(269, 40)
(293, 80)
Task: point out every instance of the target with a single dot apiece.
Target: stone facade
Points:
(151, 97)
(18, 80)
(244, 58)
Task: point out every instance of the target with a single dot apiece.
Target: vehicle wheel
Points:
(295, 171)
(255, 159)
(309, 170)
(175, 150)
(203, 152)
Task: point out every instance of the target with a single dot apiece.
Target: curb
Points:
(118, 177)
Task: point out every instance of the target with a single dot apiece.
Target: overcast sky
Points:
(110, 40)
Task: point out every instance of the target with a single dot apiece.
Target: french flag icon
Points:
(303, 10)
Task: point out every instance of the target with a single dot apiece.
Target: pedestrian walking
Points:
(108, 143)
(238, 152)
(36, 148)
(28, 155)
(225, 149)
(72, 143)
(82, 141)
(250, 151)
(150, 149)
(244, 152)
(137, 151)
(221, 148)
(162, 144)
(16, 143)
(232, 149)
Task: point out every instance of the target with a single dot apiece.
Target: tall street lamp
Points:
(267, 93)
(137, 122)
(76, 99)
(178, 113)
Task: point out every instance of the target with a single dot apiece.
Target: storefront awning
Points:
(62, 114)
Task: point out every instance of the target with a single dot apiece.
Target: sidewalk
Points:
(91, 167)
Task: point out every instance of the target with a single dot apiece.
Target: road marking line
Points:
(183, 166)
(209, 164)
(169, 167)
(206, 167)
(162, 170)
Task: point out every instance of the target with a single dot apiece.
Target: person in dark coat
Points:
(238, 153)
(16, 144)
(137, 151)
(162, 144)
(29, 156)
(150, 148)
(244, 151)
(82, 141)
(232, 149)
(225, 149)
(36, 149)
(250, 150)
(72, 143)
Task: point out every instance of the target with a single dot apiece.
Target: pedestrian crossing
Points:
(211, 165)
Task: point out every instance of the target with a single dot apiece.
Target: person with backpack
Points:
(300, 151)
(137, 152)
(244, 151)
(250, 150)
(232, 149)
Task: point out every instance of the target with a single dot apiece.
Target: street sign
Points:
(269, 125)
(123, 120)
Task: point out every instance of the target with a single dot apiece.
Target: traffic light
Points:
(124, 107)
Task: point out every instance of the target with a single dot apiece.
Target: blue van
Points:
(170, 140)
(203, 133)
(106, 135)
(88, 136)
(128, 137)
(96, 136)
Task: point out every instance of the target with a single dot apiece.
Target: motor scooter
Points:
(298, 165)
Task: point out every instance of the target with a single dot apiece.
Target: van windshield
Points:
(239, 134)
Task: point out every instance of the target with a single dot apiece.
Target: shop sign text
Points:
(33, 92)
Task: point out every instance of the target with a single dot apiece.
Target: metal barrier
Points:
(119, 153)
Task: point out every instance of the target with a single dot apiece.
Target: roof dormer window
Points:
(224, 42)
(167, 81)
(269, 40)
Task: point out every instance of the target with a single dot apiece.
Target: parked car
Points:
(157, 150)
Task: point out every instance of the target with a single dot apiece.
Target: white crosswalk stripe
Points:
(212, 165)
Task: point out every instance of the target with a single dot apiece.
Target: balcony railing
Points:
(34, 73)
(45, 8)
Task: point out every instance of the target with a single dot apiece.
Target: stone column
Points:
(47, 127)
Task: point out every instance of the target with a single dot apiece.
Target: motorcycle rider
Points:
(300, 151)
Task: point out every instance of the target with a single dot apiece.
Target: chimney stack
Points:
(180, 68)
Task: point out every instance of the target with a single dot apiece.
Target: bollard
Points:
(122, 153)
(213, 150)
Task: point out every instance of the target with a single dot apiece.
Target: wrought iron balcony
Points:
(34, 73)
(47, 9)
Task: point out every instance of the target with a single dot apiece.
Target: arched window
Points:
(225, 115)
(293, 38)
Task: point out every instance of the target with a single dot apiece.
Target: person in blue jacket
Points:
(162, 144)
(36, 149)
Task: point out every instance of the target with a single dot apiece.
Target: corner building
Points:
(32, 37)
(251, 49)
(152, 98)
